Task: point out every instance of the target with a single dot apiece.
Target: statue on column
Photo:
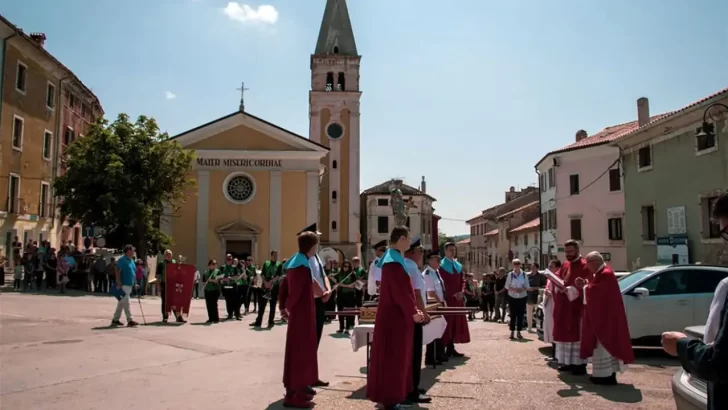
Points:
(399, 207)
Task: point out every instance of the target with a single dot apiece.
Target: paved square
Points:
(57, 354)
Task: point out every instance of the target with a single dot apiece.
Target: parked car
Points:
(690, 392)
(662, 298)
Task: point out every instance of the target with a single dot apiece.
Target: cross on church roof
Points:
(242, 90)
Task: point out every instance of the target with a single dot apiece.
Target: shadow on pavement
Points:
(276, 405)
(621, 393)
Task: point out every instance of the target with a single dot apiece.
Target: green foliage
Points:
(120, 176)
(442, 238)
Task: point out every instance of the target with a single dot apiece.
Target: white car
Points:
(663, 298)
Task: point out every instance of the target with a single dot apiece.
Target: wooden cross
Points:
(242, 90)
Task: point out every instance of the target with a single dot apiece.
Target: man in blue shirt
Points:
(125, 278)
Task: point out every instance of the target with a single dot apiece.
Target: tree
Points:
(120, 176)
(442, 238)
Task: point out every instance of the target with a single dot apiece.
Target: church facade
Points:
(258, 184)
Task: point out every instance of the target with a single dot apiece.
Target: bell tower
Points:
(334, 122)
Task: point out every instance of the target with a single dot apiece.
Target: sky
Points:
(468, 93)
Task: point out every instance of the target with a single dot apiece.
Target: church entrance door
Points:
(239, 249)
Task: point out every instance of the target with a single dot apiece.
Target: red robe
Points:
(605, 319)
(300, 368)
(389, 378)
(567, 314)
(457, 330)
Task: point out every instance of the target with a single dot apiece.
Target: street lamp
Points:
(707, 130)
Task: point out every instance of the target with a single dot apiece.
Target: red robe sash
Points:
(567, 314)
(457, 330)
(300, 364)
(604, 319)
(390, 367)
(179, 281)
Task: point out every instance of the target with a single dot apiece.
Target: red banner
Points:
(179, 280)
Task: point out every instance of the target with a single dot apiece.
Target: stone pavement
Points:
(56, 353)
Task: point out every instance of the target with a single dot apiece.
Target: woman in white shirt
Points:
(517, 283)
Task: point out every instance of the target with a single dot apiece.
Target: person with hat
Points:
(412, 261)
(434, 352)
(451, 272)
(389, 379)
(320, 298)
(300, 364)
(375, 273)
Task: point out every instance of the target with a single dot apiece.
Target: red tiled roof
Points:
(491, 233)
(528, 225)
(604, 136)
(518, 209)
(463, 242)
(664, 117)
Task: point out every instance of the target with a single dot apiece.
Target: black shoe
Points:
(209, 321)
(320, 383)
(180, 319)
(115, 323)
(512, 337)
(579, 370)
(419, 398)
(340, 331)
(566, 368)
(132, 323)
(238, 318)
(164, 320)
(433, 363)
(456, 354)
(422, 391)
(605, 381)
(271, 325)
(254, 324)
(519, 335)
(229, 317)
(310, 391)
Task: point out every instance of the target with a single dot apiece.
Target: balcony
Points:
(17, 206)
(46, 210)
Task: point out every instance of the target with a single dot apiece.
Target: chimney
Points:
(39, 38)
(580, 135)
(643, 111)
(423, 186)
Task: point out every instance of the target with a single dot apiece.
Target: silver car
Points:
(690, 393)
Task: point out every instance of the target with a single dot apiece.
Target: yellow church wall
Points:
(293, 215)
(344, 167)
(183, 227)
(243, 138)
(324, 197)
(256, 212)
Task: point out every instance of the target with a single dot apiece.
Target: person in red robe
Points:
(451, 272)
(604, 331)
(389, 378)
(568, 306)
(300, 365)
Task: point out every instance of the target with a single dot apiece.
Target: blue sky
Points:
(469, 93)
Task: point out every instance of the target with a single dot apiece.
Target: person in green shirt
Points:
(212, 291)
(345, 295)
(243, 287)
(272, 272)
(161, 269)
(362, 277)
(230, 274)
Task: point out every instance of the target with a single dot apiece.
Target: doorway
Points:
(239, 249)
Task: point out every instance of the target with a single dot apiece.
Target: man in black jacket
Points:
(708, 362)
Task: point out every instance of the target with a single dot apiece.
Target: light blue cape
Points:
(297, 261)
(392, 256)
(451, 266)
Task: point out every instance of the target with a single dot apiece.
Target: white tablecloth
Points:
(430, 332)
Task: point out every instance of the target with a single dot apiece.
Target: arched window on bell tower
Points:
(341, 82)
(329, 81)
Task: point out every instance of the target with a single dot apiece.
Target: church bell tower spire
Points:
(334, 122)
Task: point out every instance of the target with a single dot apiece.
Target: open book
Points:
(553, 278)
